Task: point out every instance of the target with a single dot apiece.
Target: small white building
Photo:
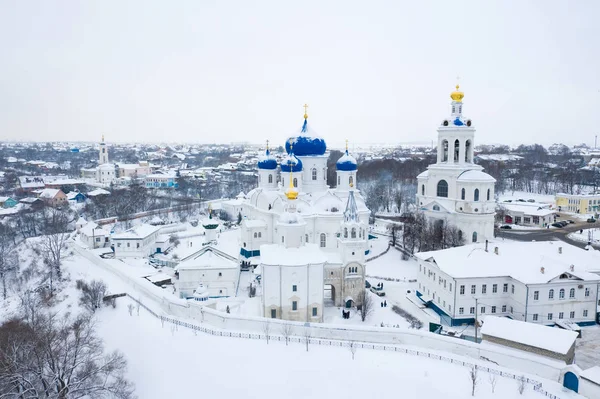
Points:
(137, 242)
(528, 214)
(94, 236)
(539, 282)
(215, 270)
(589, 382)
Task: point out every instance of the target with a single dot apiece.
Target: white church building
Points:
(455, 190)
(307, 237)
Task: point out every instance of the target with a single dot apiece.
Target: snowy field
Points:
(165, 362)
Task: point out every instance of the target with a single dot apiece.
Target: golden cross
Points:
(267, 144)
(457, 81)
(346, 145)
(305, 111)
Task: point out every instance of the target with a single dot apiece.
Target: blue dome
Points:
(306, 143)
(291, 162)
(267, 161)
(346, 163)
(458, 122)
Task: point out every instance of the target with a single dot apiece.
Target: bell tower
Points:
(103, 153)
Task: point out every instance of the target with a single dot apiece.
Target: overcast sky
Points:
(371, 71)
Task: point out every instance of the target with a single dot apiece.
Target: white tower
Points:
(346, 168)
(103, 153)
(291, 170)
(267, 170)
(455, 190)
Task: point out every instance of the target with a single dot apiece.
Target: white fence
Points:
(173, 306)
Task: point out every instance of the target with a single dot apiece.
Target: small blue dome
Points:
(458, 122)
(267, 161)
(346, 163)
(306, 143)
(291, 162)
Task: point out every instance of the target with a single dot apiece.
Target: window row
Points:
(350, 180)
(484, 288)
(483, 310)
(361, 232)
(561, 315)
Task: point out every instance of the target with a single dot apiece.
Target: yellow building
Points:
(578, 203)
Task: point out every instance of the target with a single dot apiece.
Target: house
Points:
(538, 282)
(53, 197)
(589, 382)
(76, 197)
(234, 207)
(137, 242)
(554, 343)
(7, 202)
(34, 203)
(528, 214)
(94, 236)
(216, 270)
(579, 203)
(97, 192)
(161, 180)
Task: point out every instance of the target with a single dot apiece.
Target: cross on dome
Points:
(305, 111)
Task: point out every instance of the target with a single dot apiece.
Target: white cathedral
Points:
(308, 236)
(455, 190)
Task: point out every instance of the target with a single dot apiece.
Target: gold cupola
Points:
(457, 95)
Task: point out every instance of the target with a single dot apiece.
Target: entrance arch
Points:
(571, 381)
(329, 295)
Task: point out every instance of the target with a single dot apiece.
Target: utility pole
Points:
(476, 320)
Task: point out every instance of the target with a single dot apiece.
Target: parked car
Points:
(571, 221)
(367, 284)
(557, 224)
(530, 200)
(377, 292)
(506, 227)
(591, 220)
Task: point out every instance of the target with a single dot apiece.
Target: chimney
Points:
(496, 250)
(572, 268)
(542, 269)
(486, 245)
(560, 250)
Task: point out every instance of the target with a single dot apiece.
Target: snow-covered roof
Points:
(475, 176)
(255, 223)
(528, 210)
(592, 374)
(98, 191)
(552, 339)
(306, 142)
(277, 254)
(92, 229)
(158, 278)
(346, 163)
(423, 175)
(138, 232)
(49, 193)
(520, 260)
(208, 258)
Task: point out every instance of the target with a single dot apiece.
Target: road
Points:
(551, 234)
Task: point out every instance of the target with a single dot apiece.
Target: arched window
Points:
(456, 149)
(436, 207)
(323, 240)
(282, 239)
(442, 189)
(488, 194)
(295, 182)
(255, 234)
(462, 194)
(460, 235)
(572, 293)
(353, 233)
(306, 237)
(314, 173)
(468, 151)
(476, 195)
(453, 109)
(270, 178)
(551, 294)
(561, 293)
(339, 180)
(423, 189)
(259, 234)
(474, 236)
(445, 151)
(345, 232)
(350, 181)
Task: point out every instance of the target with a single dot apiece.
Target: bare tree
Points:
(366, 305)
(9, 260)
(266, 329)
(130, 309)
(521, 384)
(352, 346)
(474, 379)
(287, 330)
(306, 336)
(54, 242)
(59, 358)
(493, 380)
(92, 294)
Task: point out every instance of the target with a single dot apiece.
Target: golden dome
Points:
(457, 95)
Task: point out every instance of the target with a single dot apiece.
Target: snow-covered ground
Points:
(583, 237)
(168, 362)
(516, 195)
